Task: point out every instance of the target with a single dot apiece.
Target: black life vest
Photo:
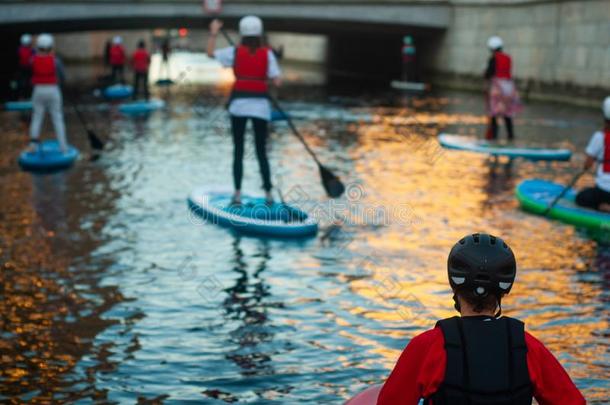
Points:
(486, 363)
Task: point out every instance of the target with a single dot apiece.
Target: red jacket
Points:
(420, 370)
(251, 70)
(117, 55)
(503, 65)
(606, 164)
(140, 60)
(25, 56)
(44, 70)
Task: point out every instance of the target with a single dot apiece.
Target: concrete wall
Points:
(566, 42)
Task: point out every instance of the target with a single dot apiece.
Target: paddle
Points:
(564, 191)
(94, 141)
(331, 183)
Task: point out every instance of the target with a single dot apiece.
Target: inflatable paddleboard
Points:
(18, 105)
(409, 86)
(118, 91)
(366, 397)
(253, 216)
(164, 82)
(279, 115)
(471, 144)
(141, 107)
(536, 195)
(48, 157)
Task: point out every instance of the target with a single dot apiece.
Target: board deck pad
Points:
(254, 215)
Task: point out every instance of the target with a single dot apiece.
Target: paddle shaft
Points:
(564, 191)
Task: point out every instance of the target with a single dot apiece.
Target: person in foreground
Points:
(47, 76)
(254, 65)
(598, 151)
(479, 357)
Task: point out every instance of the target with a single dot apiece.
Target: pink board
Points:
(366, 397)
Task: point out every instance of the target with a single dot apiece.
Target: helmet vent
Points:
(505, 245)
(504, 286)
(475, 237)
(492, 240)
(462, 241)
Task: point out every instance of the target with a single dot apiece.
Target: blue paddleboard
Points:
(18, 105)
(253, 216)
(48, 157)
(118, 91)
(141, 107)
(471, 144)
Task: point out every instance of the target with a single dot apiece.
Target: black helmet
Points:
(483, 264)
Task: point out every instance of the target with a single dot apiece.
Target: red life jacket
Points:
(250, 71)
(117, 55)
(25, 56)
(606, 163)
(44, 70)
(141, 60)
(503, 65)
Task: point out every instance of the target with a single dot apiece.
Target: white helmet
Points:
(494, 43)
(606, 108)
(44, 41)
(117, 40)
(26, 39)
(250, 26)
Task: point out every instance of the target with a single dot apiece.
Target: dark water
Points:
(113, 292)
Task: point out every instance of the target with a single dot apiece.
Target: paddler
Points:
(24, 73)
(47, 76)
(502, 98)
(598, 152)
(409, 62)
(117, 60)
(479, 357)
(140, 62)
(254, 65)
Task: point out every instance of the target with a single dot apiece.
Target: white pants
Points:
(47, 97)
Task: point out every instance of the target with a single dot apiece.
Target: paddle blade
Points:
(333, 186)
(94, 141)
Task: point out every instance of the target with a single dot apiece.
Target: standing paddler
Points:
(254, 65)
(502, 98)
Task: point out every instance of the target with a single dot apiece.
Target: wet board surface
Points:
(48, 158)
(409, 86)
(253, 216)
(117, 92)
(471, 144)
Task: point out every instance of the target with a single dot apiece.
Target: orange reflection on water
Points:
(451, 194)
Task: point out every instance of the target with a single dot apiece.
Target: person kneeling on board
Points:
(47, 76)
(598, 151)
(479, 357)
(140, 61)
(502, 97)
(117, 60)
(254, 64)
